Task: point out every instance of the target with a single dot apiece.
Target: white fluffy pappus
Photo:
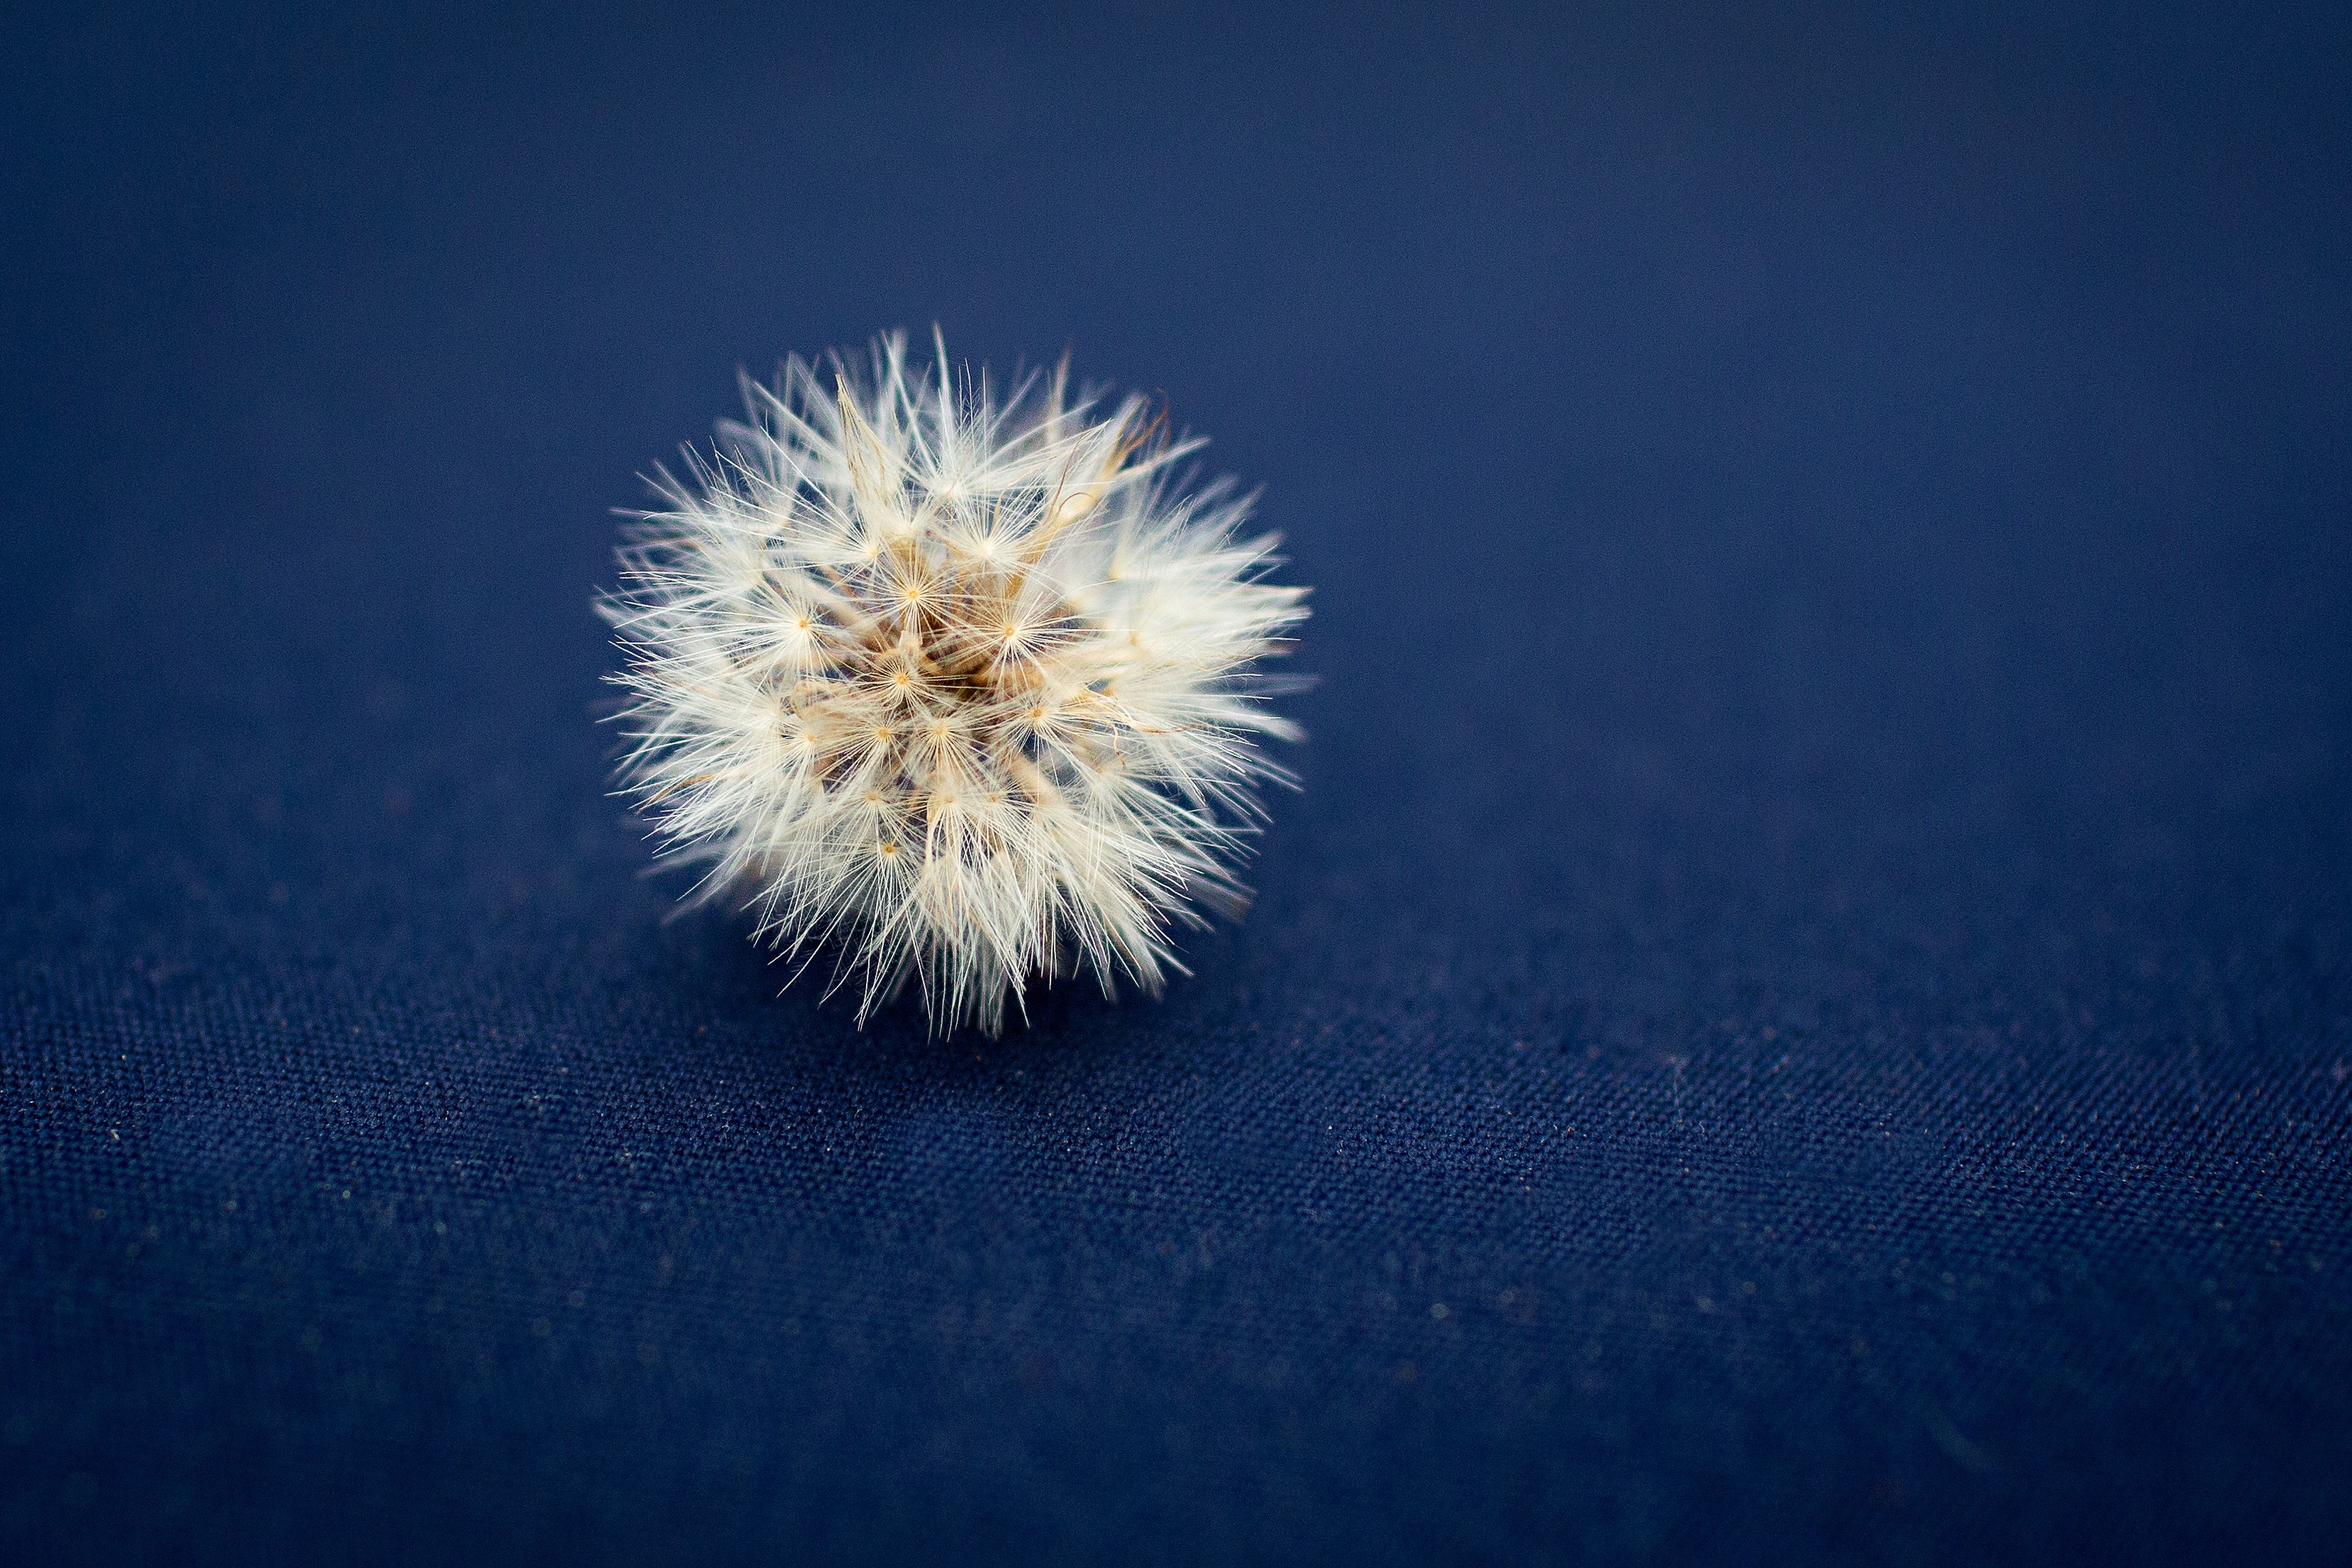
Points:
(961, 690)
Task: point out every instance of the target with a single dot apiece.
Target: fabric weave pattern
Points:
(1803, 1014)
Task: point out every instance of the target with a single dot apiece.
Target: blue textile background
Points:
(1804, 1013)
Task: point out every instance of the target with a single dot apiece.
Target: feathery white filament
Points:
(962, 690)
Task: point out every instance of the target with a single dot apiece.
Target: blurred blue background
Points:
(1803, 1012)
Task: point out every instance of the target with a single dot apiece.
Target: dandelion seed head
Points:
(959, 690)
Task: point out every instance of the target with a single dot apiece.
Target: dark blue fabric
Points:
(1804, 1013)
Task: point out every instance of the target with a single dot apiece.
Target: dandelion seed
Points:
(963, 692)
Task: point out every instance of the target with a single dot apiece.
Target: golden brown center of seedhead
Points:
(943, 663)
(931, 703)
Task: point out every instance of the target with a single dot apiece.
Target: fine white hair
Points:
(961, 690)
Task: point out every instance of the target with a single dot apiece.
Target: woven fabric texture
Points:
(1802, 1014)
